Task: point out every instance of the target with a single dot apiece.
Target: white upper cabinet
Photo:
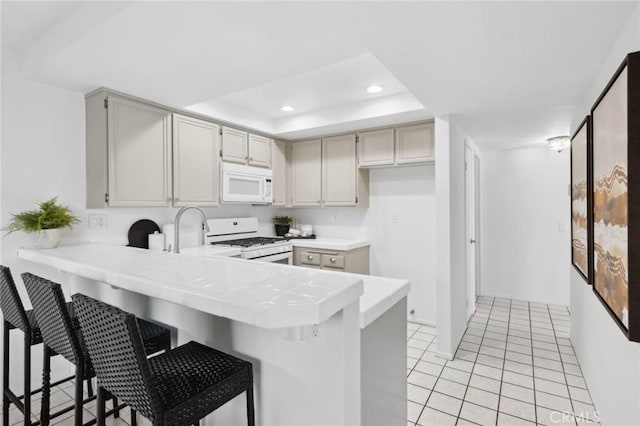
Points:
(234, 145)
(139, 154)
(376, 148)
(280, 166)
(196, 158)
(259, 151)
(306, 173)
(415, 143)
(245, 148)
(339, 169)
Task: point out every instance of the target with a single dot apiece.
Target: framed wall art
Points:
(616, 196)
(581, 236)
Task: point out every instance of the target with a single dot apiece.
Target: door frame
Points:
(471, 252)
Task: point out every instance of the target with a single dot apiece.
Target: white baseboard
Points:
(423, 322)
(444, 355)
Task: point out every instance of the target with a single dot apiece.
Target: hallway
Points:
(514, 366)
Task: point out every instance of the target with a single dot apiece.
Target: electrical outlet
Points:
(98, 221)
(395, 217)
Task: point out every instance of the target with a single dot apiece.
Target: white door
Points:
(476, 170)
(196, 147)
(470, 216)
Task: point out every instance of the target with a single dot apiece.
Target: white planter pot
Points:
(47, 238)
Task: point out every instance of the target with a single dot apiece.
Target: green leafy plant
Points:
(50, 215)
(282, 220)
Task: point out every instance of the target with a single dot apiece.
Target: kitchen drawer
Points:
(333, 261)
(309, 258)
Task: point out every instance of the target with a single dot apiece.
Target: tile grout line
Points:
(573, 414)
(533, 369)
(475, 360)
(504, 361)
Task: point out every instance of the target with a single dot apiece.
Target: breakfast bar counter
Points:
(301, 328)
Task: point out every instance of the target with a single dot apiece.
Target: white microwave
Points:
(246, 184)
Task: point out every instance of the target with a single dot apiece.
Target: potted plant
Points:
(282, 224)
(46, 223)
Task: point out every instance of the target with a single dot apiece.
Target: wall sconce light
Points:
(558, 143)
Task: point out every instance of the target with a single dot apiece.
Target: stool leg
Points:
(46, 386)
(79, 394)
(100, 407)
(27, 380)
(116, 410)
(134, 418)
(89, 387)
(251, 421)
(5, 374)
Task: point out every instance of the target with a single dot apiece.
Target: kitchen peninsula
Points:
(310, 334)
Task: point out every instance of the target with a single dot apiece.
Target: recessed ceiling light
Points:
(286, 108)
(374, 89)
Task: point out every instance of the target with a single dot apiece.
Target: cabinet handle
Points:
(333, 260)
(246, 157)
(176, 199)
(309, 257)
(168, 199)
(250, 158)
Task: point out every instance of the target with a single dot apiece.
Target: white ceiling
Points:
(508, 72)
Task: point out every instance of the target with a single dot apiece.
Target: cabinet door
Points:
(415, 144)
(279, 166)
(376, 148)
(139, 153)
(234, 145)
(339, 170)
(259, 151)
(196, 147)
(306, 172)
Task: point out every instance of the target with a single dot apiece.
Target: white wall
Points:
(525, 224)
(404, 249)
(43, 155)
(451, 287)
(609, 362)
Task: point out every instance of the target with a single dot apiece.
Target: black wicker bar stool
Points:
(175, 388)
(61, 335)
(15, 317)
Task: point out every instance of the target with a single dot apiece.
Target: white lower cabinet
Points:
(196, 159)
(355, 261)
(306, 173)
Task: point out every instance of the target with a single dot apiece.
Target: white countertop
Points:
(330, 243)
(266, 295)
(211, 250)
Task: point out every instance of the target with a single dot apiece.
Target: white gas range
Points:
(243, 233)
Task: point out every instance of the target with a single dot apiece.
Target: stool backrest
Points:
(117, 353)
(52, 315)
(10, 302)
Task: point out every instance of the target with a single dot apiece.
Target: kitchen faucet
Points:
(176, 222)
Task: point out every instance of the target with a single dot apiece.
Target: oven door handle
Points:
(275, 257)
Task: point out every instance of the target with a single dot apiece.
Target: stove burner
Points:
(249, 242)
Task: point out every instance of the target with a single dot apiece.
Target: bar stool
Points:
(60, 335)
(175, 388)
(15, 317)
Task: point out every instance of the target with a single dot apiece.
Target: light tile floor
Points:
(514, 366)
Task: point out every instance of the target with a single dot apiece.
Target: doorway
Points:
(470, 189)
